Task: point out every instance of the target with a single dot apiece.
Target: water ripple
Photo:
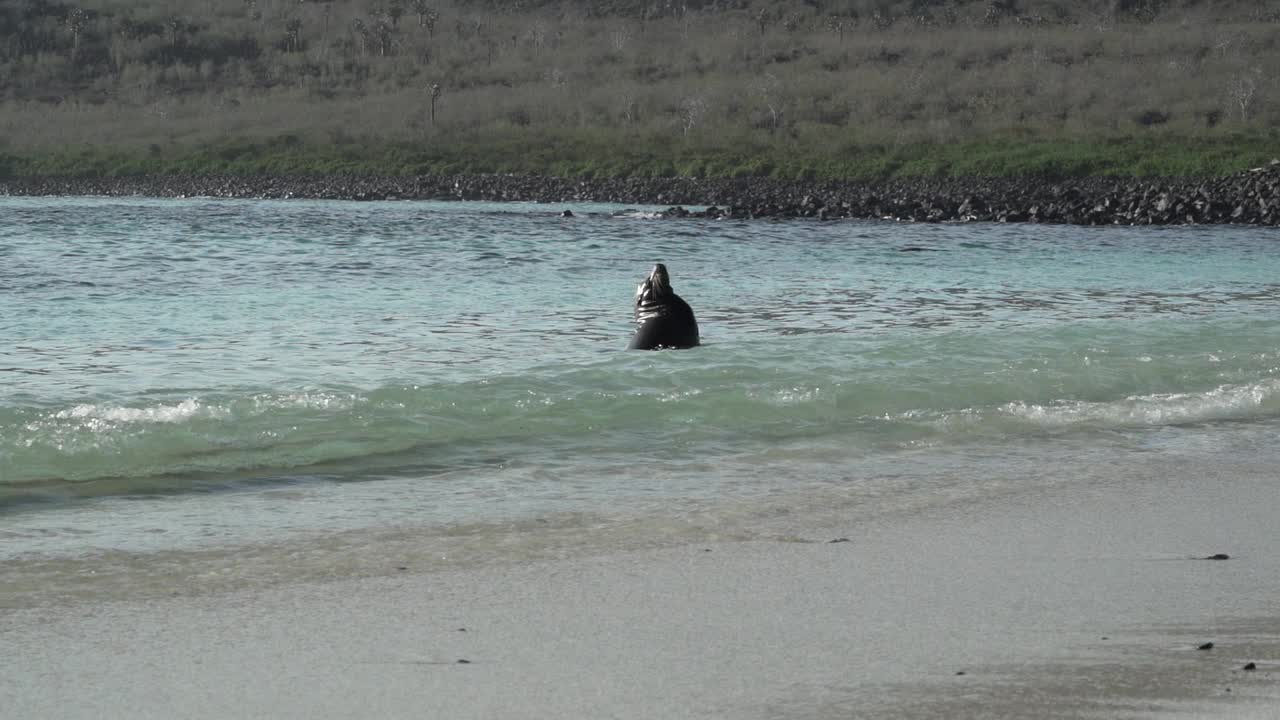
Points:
(224, 293)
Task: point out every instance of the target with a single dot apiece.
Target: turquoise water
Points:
(186, 374)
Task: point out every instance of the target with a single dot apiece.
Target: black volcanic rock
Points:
(1251, 197)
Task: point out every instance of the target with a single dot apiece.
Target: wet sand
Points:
(1083, 601)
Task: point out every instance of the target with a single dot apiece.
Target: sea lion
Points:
(663, 319)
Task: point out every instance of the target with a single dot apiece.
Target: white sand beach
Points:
(1071, 601)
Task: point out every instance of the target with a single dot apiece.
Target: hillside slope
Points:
(740, 87)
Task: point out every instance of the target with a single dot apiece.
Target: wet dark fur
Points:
(663, 318)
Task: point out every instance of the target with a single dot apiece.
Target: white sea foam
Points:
(309, 400)
(796, 395)
(91, 414)
(1225, 402)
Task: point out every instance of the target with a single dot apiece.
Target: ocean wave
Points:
(1225, 402)
(887, 396)
(99, 417)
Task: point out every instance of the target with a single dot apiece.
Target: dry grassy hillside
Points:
(158, 74)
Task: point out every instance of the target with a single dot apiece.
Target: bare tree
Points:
(384, 33)
(324, 38)
(427, 17)
(490, 47)
(762, 19)
(176, 29)
(838, 24)
(538, 35)
(76, 21)
(361, 33)
(619, 39)
(293, 35)
(692, 110)
(1243, 89)
(630, 108)
(767, 88)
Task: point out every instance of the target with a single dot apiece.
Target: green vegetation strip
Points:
(589, 154)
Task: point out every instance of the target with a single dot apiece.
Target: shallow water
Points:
(180, 375)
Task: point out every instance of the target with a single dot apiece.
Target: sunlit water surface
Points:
(184, 375)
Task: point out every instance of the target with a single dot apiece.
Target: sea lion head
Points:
(658, 283)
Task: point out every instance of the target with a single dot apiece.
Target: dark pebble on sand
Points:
(838, 540)
(1206, 646)
(959, 672)
(1219, 556)
(402, 567)
(1251, 666)
(464, 662)
(462, 629)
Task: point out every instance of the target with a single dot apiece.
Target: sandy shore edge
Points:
(1058, 602)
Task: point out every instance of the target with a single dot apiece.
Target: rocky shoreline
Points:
(1250, 197)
